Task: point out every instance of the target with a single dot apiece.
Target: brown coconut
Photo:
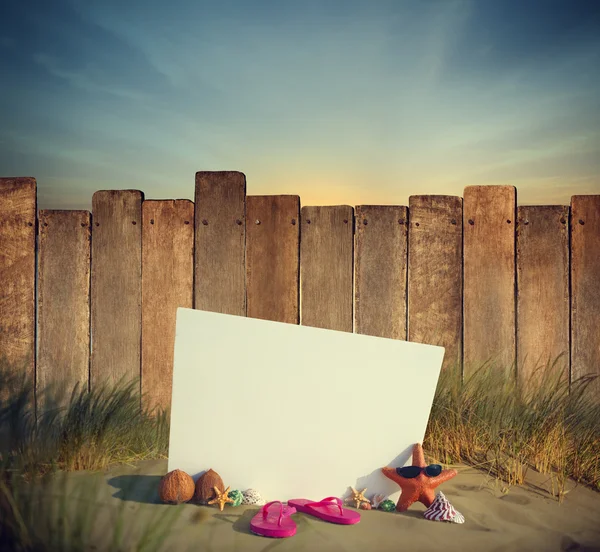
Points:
(176, 487)
(205, 486)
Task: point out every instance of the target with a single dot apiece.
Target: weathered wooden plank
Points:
(585, 289)
(542, 290)
(167, 283)
(273, 257)
(380, 270)
(489, 214)
(63, 305)
(116, 292)
(220, 237)
(435, 274)
(326, 267)
(17, 278)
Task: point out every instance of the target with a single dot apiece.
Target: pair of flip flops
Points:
(273, 521)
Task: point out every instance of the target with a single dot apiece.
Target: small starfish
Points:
(420, 488)
(221, 499)
(358, 497)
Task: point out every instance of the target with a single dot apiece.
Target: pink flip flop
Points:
(275, 524)
(329, 509)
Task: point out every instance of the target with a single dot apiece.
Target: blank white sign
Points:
(294, 411)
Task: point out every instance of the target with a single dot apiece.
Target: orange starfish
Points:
(420, 488)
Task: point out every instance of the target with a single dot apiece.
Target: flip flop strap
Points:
(265, 510)
(329, 501)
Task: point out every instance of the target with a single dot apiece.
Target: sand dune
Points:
(522, 518)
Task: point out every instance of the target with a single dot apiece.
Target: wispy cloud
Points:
(89, 78)
(376, 100)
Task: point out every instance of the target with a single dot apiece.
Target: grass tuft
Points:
(39, 512)
(508, 425)
(94, 430)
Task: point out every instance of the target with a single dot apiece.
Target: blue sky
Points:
(341, 102)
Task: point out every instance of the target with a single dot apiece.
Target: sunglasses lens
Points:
(409, 471)
(433, 470)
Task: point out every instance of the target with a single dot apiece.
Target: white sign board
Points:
(294, 411)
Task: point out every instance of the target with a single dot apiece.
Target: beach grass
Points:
(49, 513)
(95, 430)
(507, 425)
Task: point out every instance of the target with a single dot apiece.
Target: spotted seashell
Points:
(442, 510)
(365, 506)
(387, 505)
(252, 497)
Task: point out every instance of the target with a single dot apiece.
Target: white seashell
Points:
(442, 510)
(377, 500)
(252, 497)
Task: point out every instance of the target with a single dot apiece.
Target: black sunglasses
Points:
(409, 472)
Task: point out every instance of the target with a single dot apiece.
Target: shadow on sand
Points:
(136, 488)
(239, 522)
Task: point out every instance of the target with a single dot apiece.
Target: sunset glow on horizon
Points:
(339, 102)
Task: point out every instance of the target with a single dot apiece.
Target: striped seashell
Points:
(458, 518)
(442, 510)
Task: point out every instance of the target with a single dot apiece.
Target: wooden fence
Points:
(478, 275)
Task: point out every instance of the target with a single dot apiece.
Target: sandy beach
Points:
(497, 519)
